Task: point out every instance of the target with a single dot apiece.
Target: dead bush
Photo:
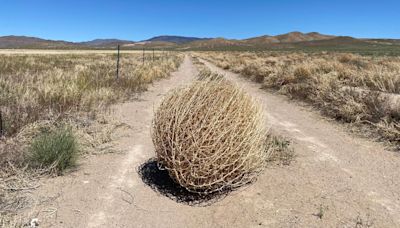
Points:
(210, 136)
(302, 73)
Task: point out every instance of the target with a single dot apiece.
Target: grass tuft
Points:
(55, 150)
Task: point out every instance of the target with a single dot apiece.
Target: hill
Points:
(175, 39)
(301, 41)
(290, 41)
(33, 42)
(215, 43)
(106, 42)
(258, 42)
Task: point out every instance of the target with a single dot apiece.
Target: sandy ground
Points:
(337, 180)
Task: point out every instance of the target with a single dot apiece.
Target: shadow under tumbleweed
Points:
(160, 181)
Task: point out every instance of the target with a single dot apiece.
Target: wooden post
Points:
(1, 124)
(143, 57)
(153, 54)
(118, 62)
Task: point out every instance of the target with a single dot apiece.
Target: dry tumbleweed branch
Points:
(210, 136)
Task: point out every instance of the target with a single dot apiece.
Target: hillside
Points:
(175, 39)
(301, 41)
(152, 45)
(289, 41)
(301, 37)
(213, 44)
(286, 38)
(33, 42)
(106, 42)
(259, 42)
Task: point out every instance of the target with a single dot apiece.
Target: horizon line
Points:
(186, 36)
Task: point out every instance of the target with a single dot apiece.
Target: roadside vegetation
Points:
(54, 109)
(56, 150)
(361, 90)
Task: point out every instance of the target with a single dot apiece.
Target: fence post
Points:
(118, 62)
(1, 124)
(143, 57)
(153, 54)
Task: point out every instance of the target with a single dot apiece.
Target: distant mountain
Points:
(153, 45)
(214, 43)
(291, 37)
(175, 39)
(292, 40)
(335, 41)
(106, 42)
(297, 41)
(261, 41)
(33, 42)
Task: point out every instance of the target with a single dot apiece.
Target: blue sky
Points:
(137, 20)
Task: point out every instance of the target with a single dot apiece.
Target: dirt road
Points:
(337, 180)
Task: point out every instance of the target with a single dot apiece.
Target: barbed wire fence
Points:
(153, 57)
(163, 55)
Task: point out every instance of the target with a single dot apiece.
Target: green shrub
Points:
(54, 150)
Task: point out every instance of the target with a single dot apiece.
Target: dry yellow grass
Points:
(42, 92)
(34, 87)
(357, 89)
(210, 136)
(37, 89)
